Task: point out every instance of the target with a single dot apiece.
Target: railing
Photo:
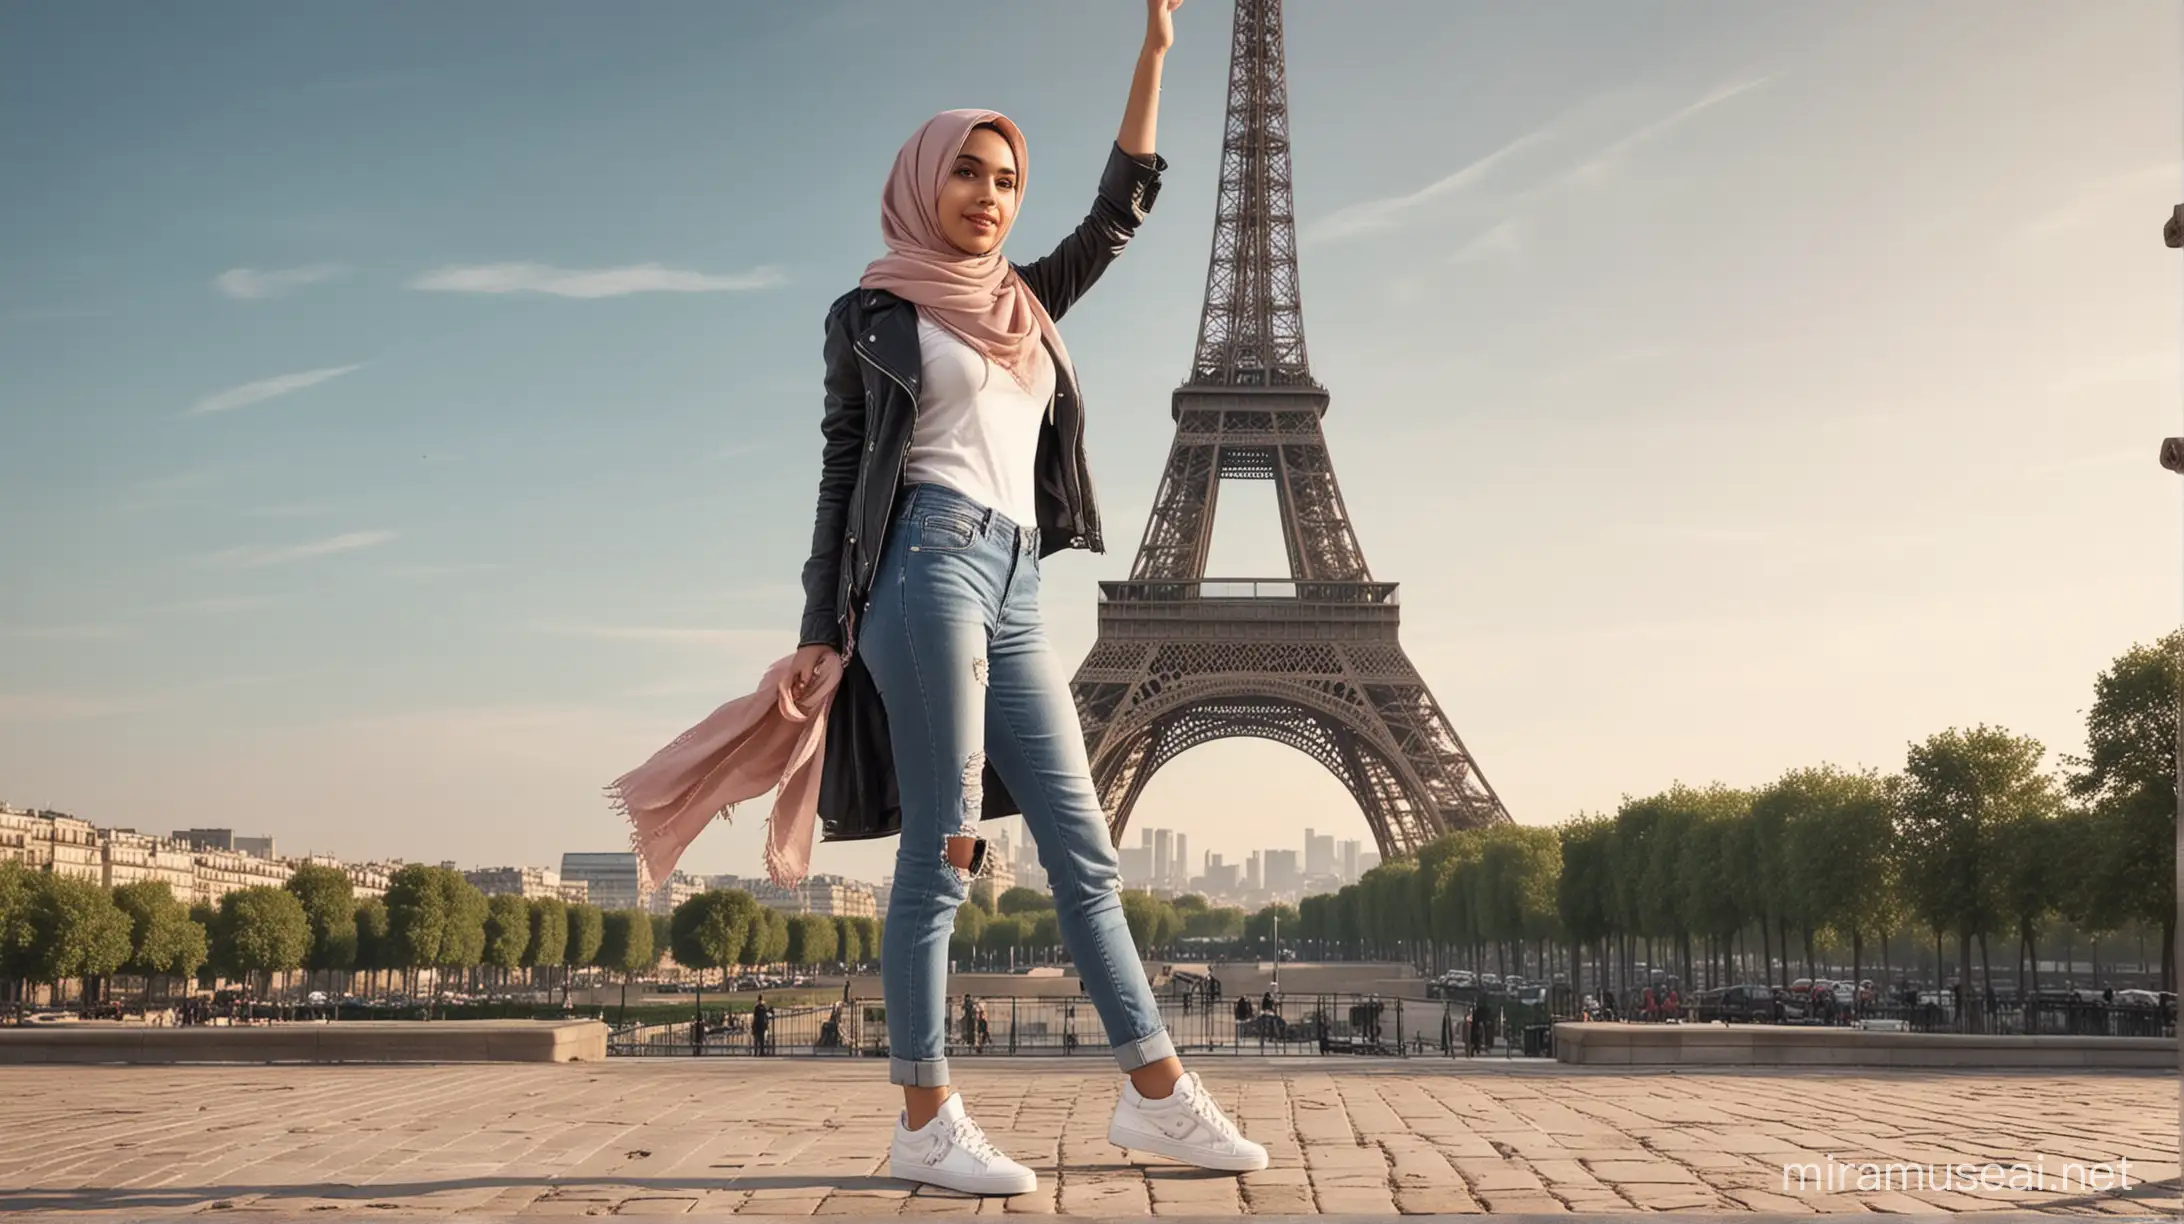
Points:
(1166, 591)
(1297, 1025)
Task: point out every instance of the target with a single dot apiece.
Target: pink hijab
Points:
(979, 298)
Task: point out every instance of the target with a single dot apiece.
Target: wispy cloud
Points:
(221, 605)
(1504, 240)
(671, 635)
(48, 707)
(2154, 185)
(65, 633)
(254, 555)
(267, 388)
(1602, 165)
(446, 569)
(175, 489)
(249, 284)
(1372, 216)
(589, 283)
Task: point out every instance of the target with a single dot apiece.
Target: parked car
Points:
(1735, 1004)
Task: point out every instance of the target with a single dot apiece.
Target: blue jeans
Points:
(954, 643)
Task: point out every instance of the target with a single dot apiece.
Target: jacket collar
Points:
(887, 332)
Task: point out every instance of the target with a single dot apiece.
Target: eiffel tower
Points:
(1310, 660)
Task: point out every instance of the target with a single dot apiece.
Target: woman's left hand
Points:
(1160, 23)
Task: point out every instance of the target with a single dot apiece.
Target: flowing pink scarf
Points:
(979, 298)
(765, 740)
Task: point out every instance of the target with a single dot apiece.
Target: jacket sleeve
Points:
(843, 425)
(1128, 188)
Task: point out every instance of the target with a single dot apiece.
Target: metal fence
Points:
(1328, 1024)
(1298, 1024)
(2052, 1017)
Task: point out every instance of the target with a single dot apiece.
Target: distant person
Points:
(761, 1025)
(951, 473)
(1266, 1004)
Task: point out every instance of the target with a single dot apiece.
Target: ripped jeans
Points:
(953, 640)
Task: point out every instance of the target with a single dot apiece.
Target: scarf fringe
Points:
(618, 802)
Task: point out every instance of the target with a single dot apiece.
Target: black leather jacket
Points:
(872, 365)
(873, 362)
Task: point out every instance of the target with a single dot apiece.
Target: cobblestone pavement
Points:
(799, 1137)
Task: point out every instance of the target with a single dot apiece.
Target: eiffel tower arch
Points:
(1312, 659)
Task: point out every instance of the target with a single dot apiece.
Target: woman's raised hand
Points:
(1160, 23)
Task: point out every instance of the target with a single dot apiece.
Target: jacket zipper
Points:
(876, 364)
(1077, 525)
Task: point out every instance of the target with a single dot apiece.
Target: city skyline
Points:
(1703, 374)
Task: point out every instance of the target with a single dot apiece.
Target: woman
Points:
(953, 466)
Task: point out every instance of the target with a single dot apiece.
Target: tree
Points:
(1142, 913)
(663, 932)
(1025, 901)
(1003, 936)
(775, 945)
(982, 896)
(70, 928)
(329, 911)
(2129, 775)
(2030, 857)
(163, 942)
(587, 930)
(1261, 925)
(262, 930)
(625, 945)
(811, 940)
(1581, 892)
(375, 948)
(1046, 931)
(436, 919)
(1226, 922)
(508, 932)
(549, 935)
(849, 941)
(1960, 787)
(1843, 839)
(970, 929)
(712, 929)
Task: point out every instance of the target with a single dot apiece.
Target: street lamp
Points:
(2172, 233)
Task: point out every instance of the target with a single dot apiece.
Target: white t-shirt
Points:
(977, 430)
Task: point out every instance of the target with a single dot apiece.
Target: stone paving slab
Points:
(351, 1041)
(795, 1138)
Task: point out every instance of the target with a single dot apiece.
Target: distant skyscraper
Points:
(1251, 873)
(1281, 872)
(1319, 853)
(1163, 858)
(610, 877)
(1349, 851)
(1137, 867)
(1182, 864)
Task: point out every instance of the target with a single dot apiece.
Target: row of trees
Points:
(56, 928)
(1020, 926)
(1971, 841)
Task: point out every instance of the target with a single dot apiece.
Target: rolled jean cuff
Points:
(912, 1073)
(1145, 1051)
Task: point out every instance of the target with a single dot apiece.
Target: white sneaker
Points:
(1185, 1125)
(951, 1152)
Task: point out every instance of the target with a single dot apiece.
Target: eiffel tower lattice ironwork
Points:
(1312, 660)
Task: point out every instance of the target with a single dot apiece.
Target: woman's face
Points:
(978, 201)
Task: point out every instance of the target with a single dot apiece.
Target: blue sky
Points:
(409, 413)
